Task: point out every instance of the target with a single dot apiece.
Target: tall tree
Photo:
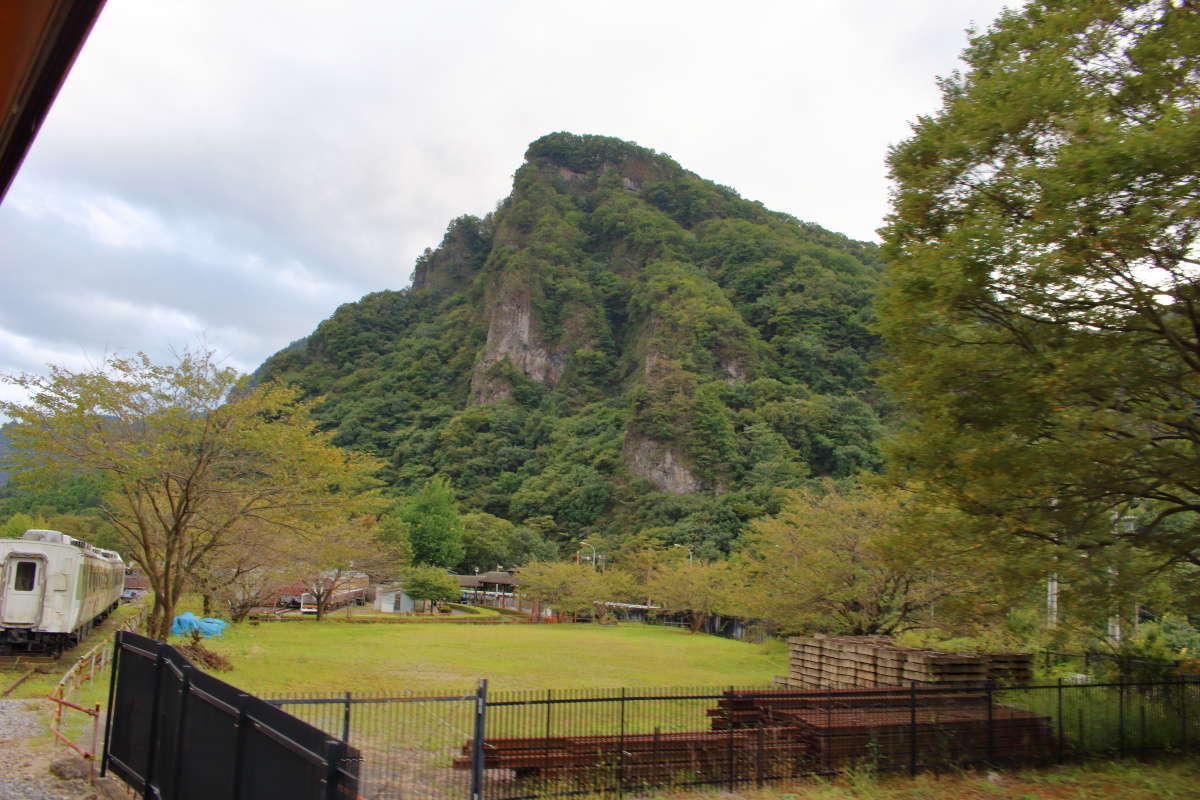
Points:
(435, 529)
(838, 563)
(1042, 300)
(344, 556)
(187, 452)
(696, 588)
(430, 584)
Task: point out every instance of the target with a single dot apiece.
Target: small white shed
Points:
(392, 599)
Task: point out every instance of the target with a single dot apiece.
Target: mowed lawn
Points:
(336, 657)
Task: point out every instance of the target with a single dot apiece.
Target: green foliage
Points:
(1041, 303)
(430, 584)
(491, 542)
(188, 456)
(586, 153)
(17, 524)
(435, 530)
(838, 562)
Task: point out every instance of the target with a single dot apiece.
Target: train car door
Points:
(24, 586)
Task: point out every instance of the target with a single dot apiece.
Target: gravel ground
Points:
(25, 757)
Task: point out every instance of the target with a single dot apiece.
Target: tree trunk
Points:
(206, 604)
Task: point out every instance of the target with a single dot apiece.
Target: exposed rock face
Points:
(657, 463)
(512, 336)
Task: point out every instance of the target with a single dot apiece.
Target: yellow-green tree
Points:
(839, 563)
(696, 588)
(188, 451)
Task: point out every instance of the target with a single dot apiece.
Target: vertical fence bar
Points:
(95, 742)
(346, 719)
(729, 761)
(112, 697)
(147, 790)
(335, 751)
(759, 766)
(621, 752)
(1060, 720)
(991, 723)
(477, 744)
(185, 688)
(546, 749)
(1121, 718)
(1183, 714)
(239, 753)
(912, 729)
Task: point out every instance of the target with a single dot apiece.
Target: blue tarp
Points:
(187, 622)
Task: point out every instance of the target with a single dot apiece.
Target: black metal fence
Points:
(546, 743)
(176, 733)
(1110, 667)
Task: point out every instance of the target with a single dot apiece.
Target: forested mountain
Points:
(622, 349)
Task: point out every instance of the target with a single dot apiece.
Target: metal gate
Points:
(176, 733)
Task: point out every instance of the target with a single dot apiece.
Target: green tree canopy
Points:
(838, 563)
(430, 584)
(1042, 299)
(435, 530)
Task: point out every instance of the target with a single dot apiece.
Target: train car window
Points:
(26, 577)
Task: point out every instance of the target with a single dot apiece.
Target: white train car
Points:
(53, 590)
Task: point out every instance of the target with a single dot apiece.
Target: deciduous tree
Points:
(188, 451)
(696, 588)
(435, 529)
(1043, 300)
(430, 584)
(839, 563)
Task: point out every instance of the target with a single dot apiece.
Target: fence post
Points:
(477, 743)
(112, 696)
(95, 742)
(912, 729)
(335, 752)
(185, 690)
(239, 753)
(1060, 720)
(346, 719)
(759, 766)
(1121, 718)
(546, 749)
(991, 727)
(621, 749)
(729, 760)
(147, 789)
(1183, 709)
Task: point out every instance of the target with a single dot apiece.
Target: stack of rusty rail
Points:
(839, 727)
(866, 661)
(646, 758)
(885, 737)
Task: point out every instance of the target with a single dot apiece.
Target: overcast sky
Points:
(227, 172)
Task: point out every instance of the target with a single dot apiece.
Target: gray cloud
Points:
(234, 171)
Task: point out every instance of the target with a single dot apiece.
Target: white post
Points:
(1052, 601)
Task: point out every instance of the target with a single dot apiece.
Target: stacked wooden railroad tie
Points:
(748, 709)
(867, 661)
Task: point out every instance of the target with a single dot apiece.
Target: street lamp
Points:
(588, 544)
(685, 547)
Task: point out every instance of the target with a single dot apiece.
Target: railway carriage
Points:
(53, 590)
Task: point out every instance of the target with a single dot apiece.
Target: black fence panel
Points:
(177, 733)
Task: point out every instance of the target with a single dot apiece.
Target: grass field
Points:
(1169, 780)
(335, 657)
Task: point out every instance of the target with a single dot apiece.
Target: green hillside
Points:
(622, 349)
